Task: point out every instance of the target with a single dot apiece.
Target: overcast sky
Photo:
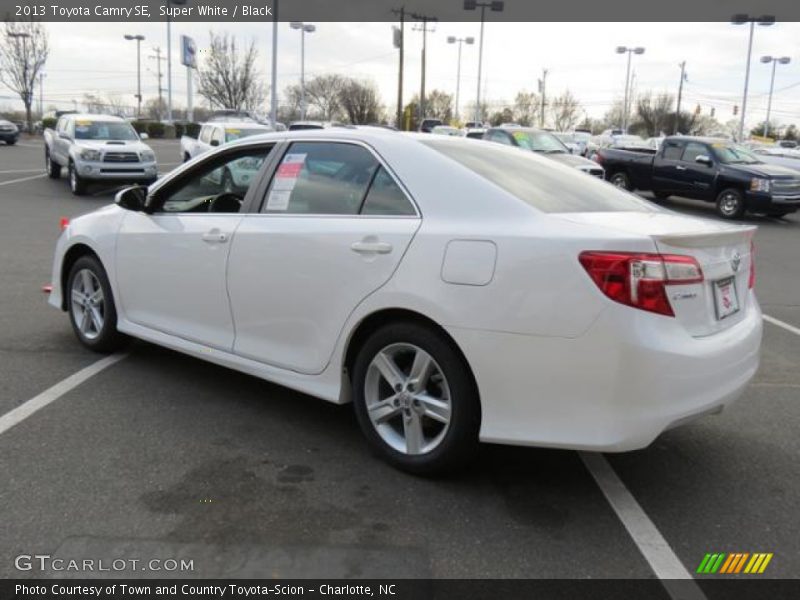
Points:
(94, 58)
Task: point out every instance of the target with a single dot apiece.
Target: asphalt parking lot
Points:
(164, 455)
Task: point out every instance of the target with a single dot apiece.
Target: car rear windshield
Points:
(542, 183)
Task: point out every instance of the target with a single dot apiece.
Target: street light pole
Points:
(304, 28)
(460, 41)
(625, 106)
(273, 109)
(495, 6)
(741, 19)
(138, 39)
(785, 60)
(169, 55)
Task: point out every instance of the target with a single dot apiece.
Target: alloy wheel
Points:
(408, 399)
(88, 304)
(729, 204)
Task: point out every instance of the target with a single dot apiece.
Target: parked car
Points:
(454, 275)
(476, 133)
(545, 143)
(568, 139)
(787, 143)
(474, 125)
(300, 125)
(654, 143)
(447, 130)
(776, 155)
(9, 132)
(216, 133)
(707, 169)
(427, 125)
(98, 148)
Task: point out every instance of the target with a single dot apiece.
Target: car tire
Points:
(11, 142)
(661, 195)
(76, 183)
(730, 204)
(621, 180)
(53, 169)
(91, 307)
(423, 430)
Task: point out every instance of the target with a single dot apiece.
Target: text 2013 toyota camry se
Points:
(454, 291)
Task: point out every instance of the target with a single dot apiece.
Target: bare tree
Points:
(23, 52)
(526, 108)
(565, 110)
(155, 107)
(324, 93)
(116, 105)
(94, 104)
(289, 110)
(360, 101)
(655, 113)
(228, 77)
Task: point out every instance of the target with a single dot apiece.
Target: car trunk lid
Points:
(722, 250)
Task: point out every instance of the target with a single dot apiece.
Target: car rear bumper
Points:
(632, 376)
(8, 137)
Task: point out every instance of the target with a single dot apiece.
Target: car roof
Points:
(95, 117)
(240, 124)
(696, 138)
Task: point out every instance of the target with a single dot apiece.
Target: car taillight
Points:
(751, 282)
(63, 223)
(640, 279)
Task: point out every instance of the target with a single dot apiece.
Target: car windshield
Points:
(104, 130)
(544, 184)
(540, 141)
(565, 137)
(729, 154)
(235, 133)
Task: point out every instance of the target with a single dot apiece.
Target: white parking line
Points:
(26, 409)
(655, 549)
(21, 171)
(779, 323)
(23, 179)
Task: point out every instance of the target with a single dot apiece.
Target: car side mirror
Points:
(703, 160)
(132, 198)
(214, 143)
(144, 136)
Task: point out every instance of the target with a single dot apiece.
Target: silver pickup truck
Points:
(98, 148)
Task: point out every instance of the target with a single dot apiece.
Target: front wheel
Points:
(621, 180)
(53, 169)
(11, 142)
(91, 306)
(730, 204)
(415, 399)
(76, 183)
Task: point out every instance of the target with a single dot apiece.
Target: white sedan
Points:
(453, 291)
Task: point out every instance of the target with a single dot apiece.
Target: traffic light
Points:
(735, 109)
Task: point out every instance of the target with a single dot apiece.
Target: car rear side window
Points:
(672, 151)
(385, 198)
(538, 181)
(321, 178)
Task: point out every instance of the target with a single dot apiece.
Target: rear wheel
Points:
(415, 399)
(91, 306)
(621, 180)
(76, 183)
(730, 204)
(53, 169)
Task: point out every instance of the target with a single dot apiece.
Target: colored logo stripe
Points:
(735, 562)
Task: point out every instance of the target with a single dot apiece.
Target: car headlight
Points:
(148, 156)
(759, 185)
(90, 155)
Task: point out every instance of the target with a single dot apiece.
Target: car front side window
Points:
(321, 178)
(216, 186)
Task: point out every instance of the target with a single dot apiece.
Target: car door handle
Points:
(371, 247)
(680, 168)
(215, 236)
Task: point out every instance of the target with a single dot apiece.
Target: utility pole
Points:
(41, 94)
(424, 19)
(542, 91)
(273, 92)
(399, 43)
(158, 58)
(680, 94)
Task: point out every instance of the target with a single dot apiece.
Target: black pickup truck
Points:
(706, 169)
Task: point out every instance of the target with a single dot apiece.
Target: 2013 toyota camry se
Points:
(454, 291)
